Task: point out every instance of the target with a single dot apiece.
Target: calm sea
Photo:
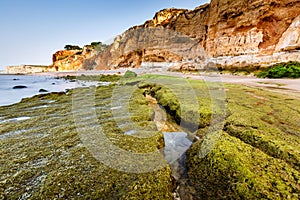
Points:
(8, 95)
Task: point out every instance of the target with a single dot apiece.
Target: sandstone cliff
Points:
(68, 60)
(225, 32)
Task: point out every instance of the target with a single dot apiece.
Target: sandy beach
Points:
(286, 86)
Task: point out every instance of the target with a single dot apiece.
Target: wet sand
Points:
(286, 86)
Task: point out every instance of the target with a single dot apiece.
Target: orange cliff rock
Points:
(72, 60)
(225, 32)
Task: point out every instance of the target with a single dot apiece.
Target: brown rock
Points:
(60, 55)
(290, 39)
(233, 30)
(72, 60)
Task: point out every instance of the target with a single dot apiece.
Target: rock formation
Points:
(69, 60)
(64, 60)
(230, 34)
(290, 39)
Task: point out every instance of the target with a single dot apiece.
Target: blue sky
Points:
(32, 30)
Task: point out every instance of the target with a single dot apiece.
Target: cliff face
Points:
(229, 32)
(69, 60)
(243, 27)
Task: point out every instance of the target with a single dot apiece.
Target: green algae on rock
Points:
(130, 74)
(102, 78)
(257, 157)
(193, 104)
(44, 157)
(236, 170)
(248, 145)
(254, 155)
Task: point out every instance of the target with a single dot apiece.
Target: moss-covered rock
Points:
(102, 78)
(43, 155)
(130, 74)
(248, 148)
(236, 170)
(190, 102)
(256, 154)
(267, 121)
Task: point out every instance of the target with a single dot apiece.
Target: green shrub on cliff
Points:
(72, 47)
(99, 46)
(282, 70)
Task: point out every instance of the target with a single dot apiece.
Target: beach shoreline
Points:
(284, 85)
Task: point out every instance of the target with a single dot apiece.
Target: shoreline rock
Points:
(43, 91)
(19, 87)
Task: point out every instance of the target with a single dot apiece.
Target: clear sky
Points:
(32, 30)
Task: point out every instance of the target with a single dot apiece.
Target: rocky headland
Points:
(76, 58)
(72, 58)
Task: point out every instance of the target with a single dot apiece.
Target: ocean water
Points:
(8, 95)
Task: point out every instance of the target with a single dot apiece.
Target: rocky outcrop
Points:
(63, 54)
(65, 60)
(70, 60)
(231, 31)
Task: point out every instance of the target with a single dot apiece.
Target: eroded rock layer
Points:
(230, 33)
(65, 60)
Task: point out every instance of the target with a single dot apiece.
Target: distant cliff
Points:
(232, 33)
(26, 69)
(73, 58)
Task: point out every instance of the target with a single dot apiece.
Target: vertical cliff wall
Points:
(230, 32)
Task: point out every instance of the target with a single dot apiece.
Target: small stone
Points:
(43, 90)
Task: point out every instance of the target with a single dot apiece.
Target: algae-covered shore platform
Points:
(103, 142)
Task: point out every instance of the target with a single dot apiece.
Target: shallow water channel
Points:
(177, 142)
